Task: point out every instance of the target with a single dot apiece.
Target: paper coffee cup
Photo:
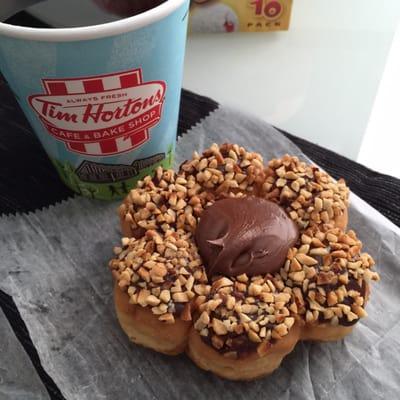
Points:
(104, 99)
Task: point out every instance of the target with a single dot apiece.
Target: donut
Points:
(233, 261)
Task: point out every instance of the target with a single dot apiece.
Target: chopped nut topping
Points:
(219, 327)
(243, 312)
(331, 276)
(305, 188)
(167, 318)
(161, 282)
(223, 171)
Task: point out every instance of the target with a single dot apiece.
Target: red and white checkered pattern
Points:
(98, 85)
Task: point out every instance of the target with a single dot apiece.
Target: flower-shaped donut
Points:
(234, 261)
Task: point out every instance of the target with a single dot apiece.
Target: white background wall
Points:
(318, 80)
(380, 149)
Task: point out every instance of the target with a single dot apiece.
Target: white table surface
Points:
(381, 145)
(319, 80)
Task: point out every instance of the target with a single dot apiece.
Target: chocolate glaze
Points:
(241, 344)
(138, 232)
(352, 285)
(238, 343)
(244, 235)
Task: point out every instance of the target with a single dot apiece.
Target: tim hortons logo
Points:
(100, 115)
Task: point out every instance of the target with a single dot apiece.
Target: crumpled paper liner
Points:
(54, 264)
(20, 378)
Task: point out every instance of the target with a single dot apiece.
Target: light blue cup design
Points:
(103, 100)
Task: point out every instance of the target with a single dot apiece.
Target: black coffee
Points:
(76, 13)
(127, 8)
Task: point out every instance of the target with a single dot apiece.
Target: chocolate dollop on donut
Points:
(244, 235)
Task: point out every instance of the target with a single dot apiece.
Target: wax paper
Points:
(18, 377)
(54, 264)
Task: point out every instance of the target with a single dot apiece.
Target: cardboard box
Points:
(240, 15)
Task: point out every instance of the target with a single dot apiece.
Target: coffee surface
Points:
(77, 13)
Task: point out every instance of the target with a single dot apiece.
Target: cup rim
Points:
(93, 31)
